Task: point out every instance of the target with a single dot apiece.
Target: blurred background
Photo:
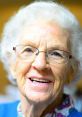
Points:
(7, 9)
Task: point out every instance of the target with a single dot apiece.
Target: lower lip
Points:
(38, 86)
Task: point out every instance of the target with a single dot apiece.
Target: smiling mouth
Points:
(39, 80)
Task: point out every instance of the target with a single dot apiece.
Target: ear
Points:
(12, 63)
(13, 70)
(74, 65)
(12, 75)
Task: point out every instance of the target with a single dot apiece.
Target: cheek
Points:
(59, 73)
(21, 69)
(59, 77)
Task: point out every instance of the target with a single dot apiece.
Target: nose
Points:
(40, 62)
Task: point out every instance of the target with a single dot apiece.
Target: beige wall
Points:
(7, 10)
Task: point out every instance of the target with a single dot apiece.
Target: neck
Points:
(30, 109)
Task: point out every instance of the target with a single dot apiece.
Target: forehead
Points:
(44, 33)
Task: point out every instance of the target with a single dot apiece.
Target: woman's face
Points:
(39, 80)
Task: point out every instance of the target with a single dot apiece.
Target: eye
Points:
(28, 50)
(56, 54)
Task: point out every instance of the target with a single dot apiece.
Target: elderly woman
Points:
(41, 48)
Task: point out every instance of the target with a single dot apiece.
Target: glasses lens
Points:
(57, 56)
(26, 52)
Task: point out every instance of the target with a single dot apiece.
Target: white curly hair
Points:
(48, 11)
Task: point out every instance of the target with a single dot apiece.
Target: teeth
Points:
(39, 80)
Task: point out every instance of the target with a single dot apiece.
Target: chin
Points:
(39, 97)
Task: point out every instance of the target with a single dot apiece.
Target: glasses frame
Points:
(38, 51)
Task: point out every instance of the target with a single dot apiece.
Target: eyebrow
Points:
(57, 47)
(30, 43)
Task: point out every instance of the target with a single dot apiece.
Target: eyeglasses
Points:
(29, 53)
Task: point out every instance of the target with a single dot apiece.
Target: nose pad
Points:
(40, 62)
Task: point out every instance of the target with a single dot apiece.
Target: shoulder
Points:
(74, 113)
(8, 109)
